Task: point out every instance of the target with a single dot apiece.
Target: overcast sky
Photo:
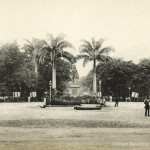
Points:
(124, 24)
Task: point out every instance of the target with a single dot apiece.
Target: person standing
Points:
(104, 100)
(110, 98)
(146, 102)
(29, 98)
(116, 101)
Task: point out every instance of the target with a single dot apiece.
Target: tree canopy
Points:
(93, 51)
(118, 76)
(19, 68)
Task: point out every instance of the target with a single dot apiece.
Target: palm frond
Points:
(69, 57)
(86, 51)
(106, 50)
(29, 42)
(108, 59)
(54, 46)
(82, 56)
(64, 44)
(41, 59)
(98, 44)
(93, 43)
(57, 40)
(86, 60)
(38, 44)
(87, 44)
(28, 48)
(103, 58)
(50, 40)
(100, 58)
(57, 43)
(44, 58)
(45, 50)
(60, 38)
(32, 50)
(43, 43)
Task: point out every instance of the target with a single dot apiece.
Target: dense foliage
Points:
(118, 76)
(20, 70)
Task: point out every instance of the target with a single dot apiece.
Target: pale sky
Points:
(124, 24)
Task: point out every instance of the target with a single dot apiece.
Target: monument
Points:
(73, 89)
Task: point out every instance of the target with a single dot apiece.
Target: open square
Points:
(27, 126)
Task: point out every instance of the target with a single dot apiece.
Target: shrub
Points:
(65, 103)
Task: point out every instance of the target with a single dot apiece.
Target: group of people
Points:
(146, 103)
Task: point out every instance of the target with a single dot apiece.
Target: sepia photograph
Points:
(74, 74)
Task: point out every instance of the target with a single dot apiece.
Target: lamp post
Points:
(50, 90)
(129, 93)
(20, 93)
(100, 93)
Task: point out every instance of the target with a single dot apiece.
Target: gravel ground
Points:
(62, 123)
(27, 126)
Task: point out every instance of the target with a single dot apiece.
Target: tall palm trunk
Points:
(94, 78)
(53, 74)
(36, 73)
(36, 69)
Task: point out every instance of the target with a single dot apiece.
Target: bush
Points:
(65, 103)
(9, 99)
(67, 100)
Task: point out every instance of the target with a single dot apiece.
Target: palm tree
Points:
(94, 52)
(53, 48)
(32, 51)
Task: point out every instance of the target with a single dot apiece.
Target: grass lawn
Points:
(26, 126)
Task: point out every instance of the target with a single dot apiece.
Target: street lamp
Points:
(20, 93)
(129, 93)
(100, 83)
(50, 86)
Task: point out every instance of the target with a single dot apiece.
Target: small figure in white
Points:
(29, 98)
(110, 97)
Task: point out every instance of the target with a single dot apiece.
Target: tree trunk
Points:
(36, 73)
(94, 78)
(53, 75)
(36, 69)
